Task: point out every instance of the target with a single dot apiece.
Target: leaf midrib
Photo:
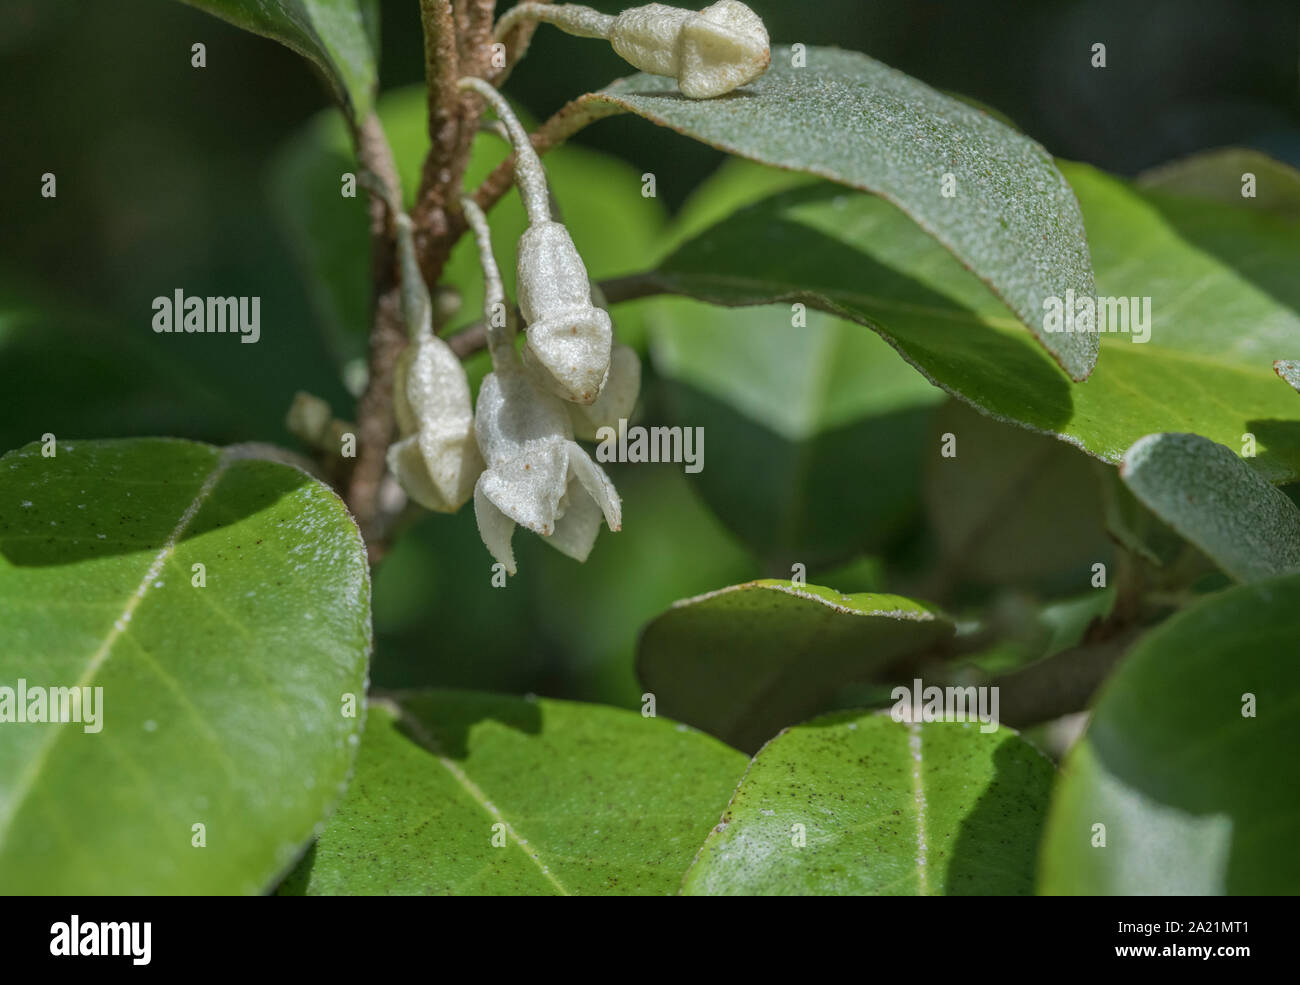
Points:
(430, 743)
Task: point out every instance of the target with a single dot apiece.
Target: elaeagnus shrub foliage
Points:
(911, 513)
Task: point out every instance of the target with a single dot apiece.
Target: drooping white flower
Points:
(537, 476)
(437, 459)
(568, 338)
(709, 52)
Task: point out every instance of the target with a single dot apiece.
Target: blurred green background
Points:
(170, 176)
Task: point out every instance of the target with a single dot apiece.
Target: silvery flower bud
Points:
(569, 339)
(710, 53)
(437, 461)
(536, 475)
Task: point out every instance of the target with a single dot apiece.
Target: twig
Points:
(375, 409)
(470, 341)
(634, 286)
(564, 124)
(453, 119)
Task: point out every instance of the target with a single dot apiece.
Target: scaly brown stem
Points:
(375, 410)
(456, 42)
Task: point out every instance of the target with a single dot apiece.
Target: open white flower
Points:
(709, 52)
(537, 476)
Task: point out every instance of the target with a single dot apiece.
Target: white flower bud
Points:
(437, 461)
(710, 53)
(569, 339)
(616, 401)
(536, 476)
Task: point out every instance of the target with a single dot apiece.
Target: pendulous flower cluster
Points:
(516, 453)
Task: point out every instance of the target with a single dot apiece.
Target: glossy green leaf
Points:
(1218, 502)
(745, 661)
(613, 225)
(883, 808)
(460, 793)
(1011, 217)
(225, 705)
(1188, 760)
(1010, 507)
(341, 37)
(1216, 325)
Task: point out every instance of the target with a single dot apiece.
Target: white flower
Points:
(568, 339)
(537, 476)
(437, 460)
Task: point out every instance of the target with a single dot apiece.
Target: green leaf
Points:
(794, 416)
(580, 799)
(1195, 794)
(221, 705)
(614, 227)
(1013, 220)
(745, 661)
(1220, 175)
(1011, 507)
(887, 808)
(1218, 502)
(340, 37)
(1216, 324)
